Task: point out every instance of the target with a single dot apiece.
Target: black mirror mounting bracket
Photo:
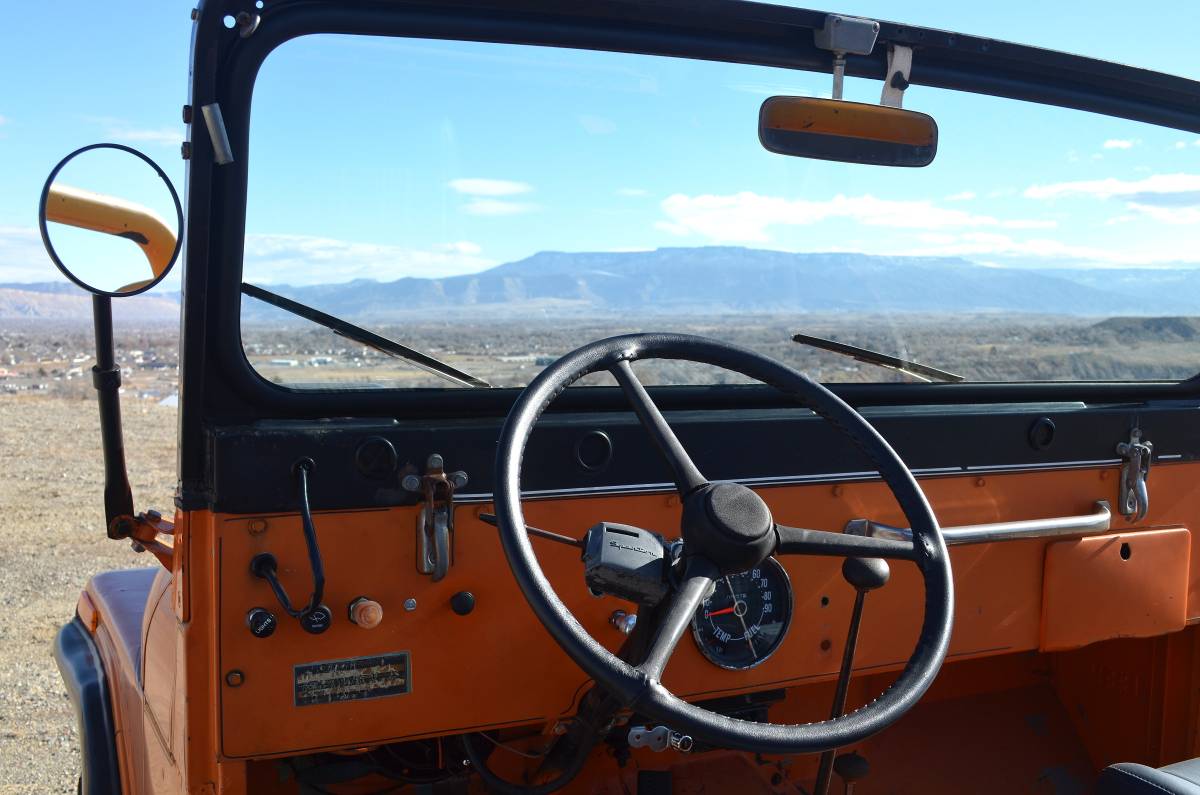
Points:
(106, 377)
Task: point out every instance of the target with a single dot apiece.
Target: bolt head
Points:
(410, 604)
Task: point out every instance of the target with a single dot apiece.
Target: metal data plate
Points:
(353, 679)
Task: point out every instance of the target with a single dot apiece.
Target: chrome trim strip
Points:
(789, 480)
(1051, 465)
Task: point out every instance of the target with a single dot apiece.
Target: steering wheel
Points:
(726, 528)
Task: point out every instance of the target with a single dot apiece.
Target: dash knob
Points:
(262, 622)
(366, 613)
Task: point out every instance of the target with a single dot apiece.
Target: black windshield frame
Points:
(218, 384)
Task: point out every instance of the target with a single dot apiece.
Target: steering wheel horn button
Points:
(625, 561)
(730, 524)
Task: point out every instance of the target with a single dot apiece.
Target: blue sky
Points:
(382, 158)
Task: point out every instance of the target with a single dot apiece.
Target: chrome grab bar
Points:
(1090, 524)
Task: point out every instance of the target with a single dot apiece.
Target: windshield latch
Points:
(1134, 499)
(435, 523)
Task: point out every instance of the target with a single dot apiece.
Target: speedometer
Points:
(745, 618)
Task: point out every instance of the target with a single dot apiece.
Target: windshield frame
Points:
(218, 380)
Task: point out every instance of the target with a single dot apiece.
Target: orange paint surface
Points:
(1120, 585)
(497, 666)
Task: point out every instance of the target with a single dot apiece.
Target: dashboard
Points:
(466, 653)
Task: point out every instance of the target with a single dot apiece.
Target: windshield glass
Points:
(494, 206)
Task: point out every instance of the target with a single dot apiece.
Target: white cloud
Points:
(597, 125)
(123, 130)
(461, 247)
(164, 136)
(1108, 188)
(497, 207)
(1121, 143)
(965, 196)
(632, 191)
(22, 257)
(306, 259)
(995, 243)
(773, 89)
(1168, 215)
(981, 244)
(746, 216)
(489, 187)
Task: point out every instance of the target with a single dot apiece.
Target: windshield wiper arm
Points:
(364, 337)
(922, 372)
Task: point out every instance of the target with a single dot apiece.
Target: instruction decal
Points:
(356, 679)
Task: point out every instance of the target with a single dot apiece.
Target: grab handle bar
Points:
(1100, 521)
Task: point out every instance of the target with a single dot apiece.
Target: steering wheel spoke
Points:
(799, 541)
(698, 581)
(687, 476)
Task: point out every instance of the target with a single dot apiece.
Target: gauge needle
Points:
(741, 619)
(721, 612)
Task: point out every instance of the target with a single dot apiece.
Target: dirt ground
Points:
(51, 540)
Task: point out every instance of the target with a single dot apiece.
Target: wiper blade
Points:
(364, 337)
(922, 372)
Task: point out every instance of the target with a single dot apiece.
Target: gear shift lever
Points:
(865, 574)
(851, 768)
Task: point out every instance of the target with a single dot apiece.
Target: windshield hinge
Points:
(842, 35)
(435, 523)
(215, 122)
(1134, 499)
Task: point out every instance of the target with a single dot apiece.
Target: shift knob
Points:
(851, 768)
(366, 613)
(866, 574)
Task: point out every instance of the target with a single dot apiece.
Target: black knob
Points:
(462, 602)
(866, 574)
(261, 622)
(851, 767)
(317, 620)
(263, 565)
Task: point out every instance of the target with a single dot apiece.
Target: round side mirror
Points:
(111, 220)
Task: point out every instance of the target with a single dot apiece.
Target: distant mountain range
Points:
(713, 280)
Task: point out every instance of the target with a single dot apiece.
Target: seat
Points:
(120, 598)
(1127, 778)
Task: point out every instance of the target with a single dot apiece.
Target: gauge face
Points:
(746, 617)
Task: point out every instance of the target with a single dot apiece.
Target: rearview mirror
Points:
(848, 132)
(140, 227)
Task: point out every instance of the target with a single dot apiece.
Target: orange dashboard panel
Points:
(427, 669)
(1120, 585)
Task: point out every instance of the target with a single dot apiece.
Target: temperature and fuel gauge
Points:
(746, 617)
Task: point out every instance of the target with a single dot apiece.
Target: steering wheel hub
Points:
(730, 525)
